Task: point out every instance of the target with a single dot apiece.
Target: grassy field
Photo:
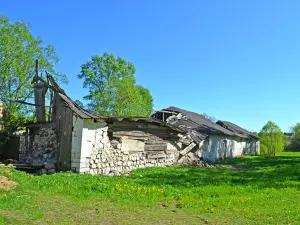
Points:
(265, 191)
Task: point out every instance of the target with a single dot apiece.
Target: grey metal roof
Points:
(198, 123)
(236, 129)
(82, 113)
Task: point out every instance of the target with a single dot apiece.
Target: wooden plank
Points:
(28, 166)
(139, 125)
(187, 149)
(146, 130)
(155, 142)
(28, 103)
(155, 152)
(131, 133)
(64, 121)
(185, 141)
(67, 140)
(155, 147)
(39, 98)
(156, 156)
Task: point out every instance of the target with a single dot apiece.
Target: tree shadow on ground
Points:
(271, 172)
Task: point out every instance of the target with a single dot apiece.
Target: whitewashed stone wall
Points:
(100, 155)
(218, 147)
(95, 153)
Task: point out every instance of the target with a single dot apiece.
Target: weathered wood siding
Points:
(154, 137)
(39, 97)
(64, 125)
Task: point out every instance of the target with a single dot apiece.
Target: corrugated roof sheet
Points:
(236, 129)
(82, 113)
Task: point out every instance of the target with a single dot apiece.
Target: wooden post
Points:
(187, 149)
(36, 70)
(39, 96)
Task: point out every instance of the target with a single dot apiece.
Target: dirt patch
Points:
(6, 183)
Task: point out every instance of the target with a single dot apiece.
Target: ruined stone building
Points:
(213, 140)
(75, 139)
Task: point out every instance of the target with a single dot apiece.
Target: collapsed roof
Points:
(180, 120)
(65, 100)
(196, 125)
(84, 114)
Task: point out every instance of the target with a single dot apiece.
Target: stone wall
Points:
(96, 151)
(103, 155)
(218, 147)
(40, 147)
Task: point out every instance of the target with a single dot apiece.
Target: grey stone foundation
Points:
(40, 148)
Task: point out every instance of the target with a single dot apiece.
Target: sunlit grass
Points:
(265, 191)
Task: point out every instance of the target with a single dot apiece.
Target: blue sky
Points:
(235, 60)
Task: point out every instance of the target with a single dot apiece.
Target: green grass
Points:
(266, 191)
(288, 154)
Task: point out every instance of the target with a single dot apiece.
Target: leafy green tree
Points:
(112, 87)
(18, 51)
(271, 139)
(295, 138)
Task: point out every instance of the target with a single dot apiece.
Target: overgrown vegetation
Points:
(266, 191)
(292, 139)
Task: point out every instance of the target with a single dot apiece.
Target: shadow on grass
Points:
(272, 172)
